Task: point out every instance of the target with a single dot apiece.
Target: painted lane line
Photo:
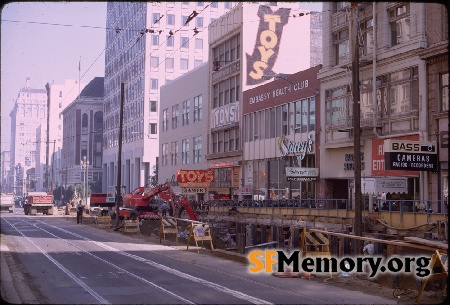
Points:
(63, 269)
(189, 277)
(113, 265)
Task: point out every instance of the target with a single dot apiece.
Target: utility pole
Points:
(356, 124)
(47, 172)
(119, 158)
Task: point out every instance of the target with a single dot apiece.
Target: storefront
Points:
(280, 134)
(226, 180)
(194, 183)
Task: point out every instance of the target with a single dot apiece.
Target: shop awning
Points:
(379, 185)
(245, 190)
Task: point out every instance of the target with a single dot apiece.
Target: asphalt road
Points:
(52, 260)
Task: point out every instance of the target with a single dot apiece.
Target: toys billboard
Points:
(270, 35)
(410, 155)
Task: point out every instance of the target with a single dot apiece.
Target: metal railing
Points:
(411, 206)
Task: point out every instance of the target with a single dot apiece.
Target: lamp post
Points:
(84, 166)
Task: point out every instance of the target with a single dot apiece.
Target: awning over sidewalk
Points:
(379, 185)
(245, 190)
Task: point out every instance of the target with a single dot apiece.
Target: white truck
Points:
(7, 202)
(39, 202)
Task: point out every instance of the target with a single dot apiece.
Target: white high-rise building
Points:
(29, 112)
(148, 45)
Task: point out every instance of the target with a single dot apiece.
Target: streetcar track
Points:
(189, 277)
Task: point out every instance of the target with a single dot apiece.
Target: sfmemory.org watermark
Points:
(278, 261)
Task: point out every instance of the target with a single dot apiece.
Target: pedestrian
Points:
(164, 208)
(25, 206)
(79, 209)
(375, 207)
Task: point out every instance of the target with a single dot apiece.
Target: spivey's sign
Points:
(267, 43)
(184, 176)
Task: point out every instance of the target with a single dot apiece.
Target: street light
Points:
(84, 166)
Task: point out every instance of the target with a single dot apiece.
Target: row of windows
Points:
(169, 64)
(287, 119)
(225, 140)
(185, 118)
(399, 30)
(226, 91)
(397, 92)
(173, 155)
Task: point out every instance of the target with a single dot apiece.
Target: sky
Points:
(48, 52)
(51, 51)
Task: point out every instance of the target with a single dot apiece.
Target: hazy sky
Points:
(44, 40)
(48, 52)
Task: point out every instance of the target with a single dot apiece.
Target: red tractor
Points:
(141, 203)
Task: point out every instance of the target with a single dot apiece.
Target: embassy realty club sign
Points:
(410, 155)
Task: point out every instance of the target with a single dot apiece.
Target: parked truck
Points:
(7, 202)
(39, 202)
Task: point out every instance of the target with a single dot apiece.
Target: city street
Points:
(53, 260)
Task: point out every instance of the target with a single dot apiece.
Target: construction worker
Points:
(164, 207)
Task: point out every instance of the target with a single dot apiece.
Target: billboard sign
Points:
(268, 42)
(410, 155)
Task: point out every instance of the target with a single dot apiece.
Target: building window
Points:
(174, 153)
(84, 124)
(226, 92)
(83, 149)
(444, 92)
(60, 93)
(170, 19)
(184, 63)
(228, 5)
(169, 64)
(185, 151)
(199, 22)
(152, 106)
(155, 40)
(155, 18)
(154, 83)
(367, 37)
(214, 5)
(197, 62)
(183, 19)
(228, 51)
(175, 113)
(399, 24)
(201, 4)
(184, 42)
(185, 120)
(170, 41)
(197, 149)
(341, 47)
(198, 44)
(165, 154)
(152, 128)
(337, 104)
(212, 20)
(197, 108)
(154, 62)
(165, 122)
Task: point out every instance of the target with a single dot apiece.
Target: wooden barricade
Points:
(130, 226)
(438, 261)
(168, 226)
(199, 232)
(103, 222)
(314, 244)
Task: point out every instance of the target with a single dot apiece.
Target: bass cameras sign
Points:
(410, 155)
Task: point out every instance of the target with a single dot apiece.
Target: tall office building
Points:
(148, 44)
(29, 112)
